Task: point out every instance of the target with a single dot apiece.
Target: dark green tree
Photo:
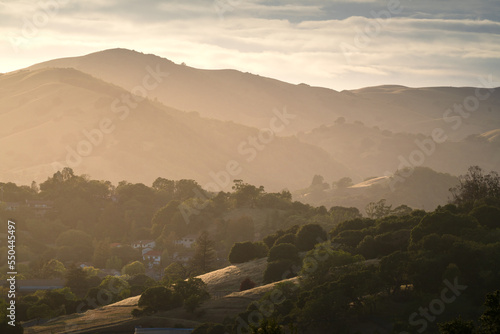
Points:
(204, 256)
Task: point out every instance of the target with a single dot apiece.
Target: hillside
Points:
(117, 316)
(53, 118)
(250, 99)
(424, 189)
(370, 151)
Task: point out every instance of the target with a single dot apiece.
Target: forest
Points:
(392, 269)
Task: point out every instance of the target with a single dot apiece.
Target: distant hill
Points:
(422, 189)
(370, 151)
(51, 118)
(249, 99)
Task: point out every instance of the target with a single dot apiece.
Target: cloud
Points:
(296, 41)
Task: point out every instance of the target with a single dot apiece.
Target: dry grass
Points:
(117, 316)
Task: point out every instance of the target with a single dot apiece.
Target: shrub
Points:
(289, 238)
(284, 252)
(279, 270)
(159, 298)
(247, 284)
(134, 268)
(309, 235)
(247, 251)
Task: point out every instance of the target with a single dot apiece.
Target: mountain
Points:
(53, 118)
(250, 99)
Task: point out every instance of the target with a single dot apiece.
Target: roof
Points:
(153, 253)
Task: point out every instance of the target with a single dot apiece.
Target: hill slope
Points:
(51, 118)
(249, 99)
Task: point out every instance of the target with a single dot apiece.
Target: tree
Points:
(284, 252)
(175, 272)
(76, 280)
(193, 292)
(246, 194)
(117, 286)
(378, 210)
(159, 298)
(341, 214)
(204, 255)
(310, 235)
(342, 183)
(318, 184)
(101, 253)
(289, 238)
(114, 262)
(279, 270)
(490, 320)
(75, 245)
(457, 326)
(53, 269)
(474, 186)
(134, 268)
(247, 251)
(164, 216)
(402, 210)
(487, 216)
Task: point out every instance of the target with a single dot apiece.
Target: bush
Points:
(284, 252)
(192, 287)
(246, 251)
(309, 235)
(261, 249)
(279, 270)
(289, 238)
(159, 298)
(134, 268)
(247, 284)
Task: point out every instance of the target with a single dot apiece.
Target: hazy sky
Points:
(339, 44)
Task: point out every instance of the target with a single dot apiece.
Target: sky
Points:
(339, 44)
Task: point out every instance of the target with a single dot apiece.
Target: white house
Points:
(186, 241)
(144, 244)
(153, 257)
(183, 258)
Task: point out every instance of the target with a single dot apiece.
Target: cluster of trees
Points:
(190, 294)
(85, 216)
(385, 268)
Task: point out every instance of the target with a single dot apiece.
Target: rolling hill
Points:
(249, 99)
(53, 118)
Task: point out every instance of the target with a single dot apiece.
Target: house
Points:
(12, 206)
(40, 207)
(143, 244)
(182, 258)
(153, 257)
(186, 241)
(146, 250)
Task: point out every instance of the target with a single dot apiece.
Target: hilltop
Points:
(249, 99)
